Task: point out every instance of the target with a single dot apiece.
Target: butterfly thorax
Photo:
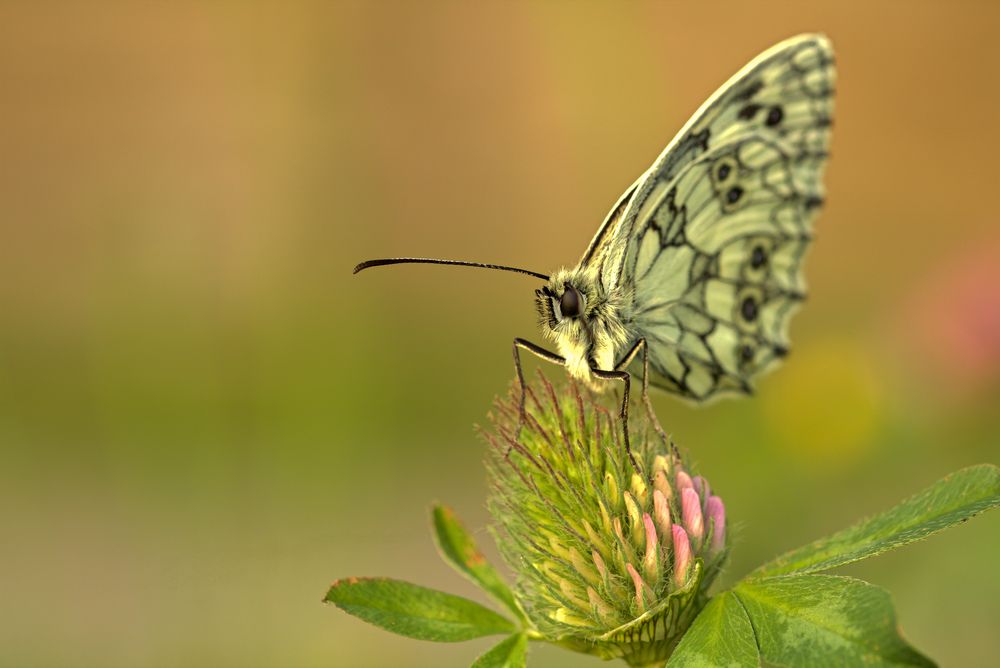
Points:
(586, 322)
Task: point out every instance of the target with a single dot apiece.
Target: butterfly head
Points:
(563, 303)
(559, 304)
(568, 306)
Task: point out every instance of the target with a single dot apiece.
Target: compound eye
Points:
(569, 303)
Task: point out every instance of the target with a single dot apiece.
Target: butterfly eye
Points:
(569, 303)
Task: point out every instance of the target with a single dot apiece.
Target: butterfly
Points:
(691, 281)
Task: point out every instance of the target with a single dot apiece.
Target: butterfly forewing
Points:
(710, 243)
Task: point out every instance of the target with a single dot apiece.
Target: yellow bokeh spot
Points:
(824, 406)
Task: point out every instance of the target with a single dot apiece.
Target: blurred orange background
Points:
(204, 418)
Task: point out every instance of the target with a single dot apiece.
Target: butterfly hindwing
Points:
(714, 250)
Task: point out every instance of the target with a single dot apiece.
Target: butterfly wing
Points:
(710, 243)
(597, 251)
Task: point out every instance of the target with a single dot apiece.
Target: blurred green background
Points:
(205, 419)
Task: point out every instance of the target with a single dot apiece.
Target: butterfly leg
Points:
(627, 380)
(538, 351)
(629, 356)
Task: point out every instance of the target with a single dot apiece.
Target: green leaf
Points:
(415, 611)
(511, 652)
(951, 500)
(459, 550)
(721, 635)
(824, 620)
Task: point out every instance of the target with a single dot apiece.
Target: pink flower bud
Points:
(599, 563)
(682, 555)
(691, 515)
(661, 514)
(701, 486)
(716, 512)
(637, 581)
(684, 481)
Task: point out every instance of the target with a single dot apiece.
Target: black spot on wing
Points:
(748, 112)
(774, 116)
(751, 88)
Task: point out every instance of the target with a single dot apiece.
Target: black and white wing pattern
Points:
(711, 241)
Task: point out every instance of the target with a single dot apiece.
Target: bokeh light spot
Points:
(825, 405)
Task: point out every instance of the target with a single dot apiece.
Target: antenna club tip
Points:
(358, 267)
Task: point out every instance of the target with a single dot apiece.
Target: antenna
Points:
(424, 260)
